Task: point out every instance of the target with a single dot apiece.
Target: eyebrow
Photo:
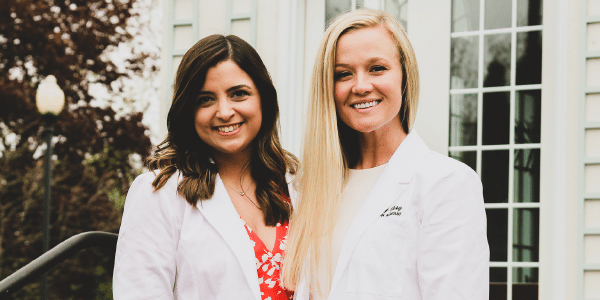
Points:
(372, 60)
(233, 88)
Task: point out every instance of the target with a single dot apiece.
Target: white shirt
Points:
(419, 235)
(168, 249)
(357, 187)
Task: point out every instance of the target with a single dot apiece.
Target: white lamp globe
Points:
(49, 98)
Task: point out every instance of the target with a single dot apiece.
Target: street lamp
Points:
(50, 100)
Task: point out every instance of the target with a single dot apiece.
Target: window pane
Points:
(496, 118)
(527, 175)
(463, 119)
(372, 4)
(526, 234)
(498, 275)
(494, 176)
(529, 12)
(498, 14)
(497, 228)
(496, 60)
(398, 9)
(465, 15)
(529, 57)
(467, 157)
(525, 284)
(528, 116)
(498, 281)
(465, 60)
(335, 7)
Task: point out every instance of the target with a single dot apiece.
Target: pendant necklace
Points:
(242, 193)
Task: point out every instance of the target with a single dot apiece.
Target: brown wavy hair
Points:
(184, 151)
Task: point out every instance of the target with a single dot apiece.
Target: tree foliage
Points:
(93, 145)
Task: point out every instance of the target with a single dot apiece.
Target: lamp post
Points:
(50, 100)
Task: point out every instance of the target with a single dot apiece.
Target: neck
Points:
(378, 146)
(231, 166)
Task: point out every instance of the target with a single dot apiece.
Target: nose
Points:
(224, 109)
(363, 85)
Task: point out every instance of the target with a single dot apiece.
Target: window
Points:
(397, 8)
(495, 126)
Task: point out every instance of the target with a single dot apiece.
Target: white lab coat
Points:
(420, 234)
(168, 249)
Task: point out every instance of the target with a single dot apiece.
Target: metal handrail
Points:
(54, 256)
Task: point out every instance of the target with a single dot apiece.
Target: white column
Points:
(429, 34)
(290, 73)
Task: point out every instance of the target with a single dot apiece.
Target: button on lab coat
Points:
(168, 249)
(420, 234)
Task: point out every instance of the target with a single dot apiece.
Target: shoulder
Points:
(436, 167)
(142, 194)
(145, 180)
(445, 183)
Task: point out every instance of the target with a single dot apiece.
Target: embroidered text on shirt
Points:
(392, 211)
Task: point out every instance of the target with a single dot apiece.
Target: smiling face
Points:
(228, 116)
(368, 80)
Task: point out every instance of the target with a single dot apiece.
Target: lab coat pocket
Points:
(378, 262)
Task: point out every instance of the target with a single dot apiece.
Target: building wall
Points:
(558, 228)
(589, 154)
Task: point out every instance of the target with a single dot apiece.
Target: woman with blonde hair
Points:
(380, 215)
(210, 220)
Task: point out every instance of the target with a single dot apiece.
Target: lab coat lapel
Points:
(391, 184)
(221, 214)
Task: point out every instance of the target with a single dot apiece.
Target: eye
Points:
(240, 95)
(342, 75)
(204, 100)
(378, 68)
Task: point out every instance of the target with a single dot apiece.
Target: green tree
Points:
(94, 147)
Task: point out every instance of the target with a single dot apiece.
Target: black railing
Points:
(54, 256)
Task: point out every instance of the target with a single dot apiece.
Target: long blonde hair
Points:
(326, 157)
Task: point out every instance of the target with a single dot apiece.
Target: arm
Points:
(145, 265)
(453, 253)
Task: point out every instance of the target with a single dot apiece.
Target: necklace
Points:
(242, 193)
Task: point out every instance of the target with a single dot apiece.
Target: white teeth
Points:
(366, 105)
(227, 129)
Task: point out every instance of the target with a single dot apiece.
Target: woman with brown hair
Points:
(380, 215)
(210, 222)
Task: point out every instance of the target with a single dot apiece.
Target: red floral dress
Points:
(268, 264)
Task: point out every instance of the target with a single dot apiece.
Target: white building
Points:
(510, 87)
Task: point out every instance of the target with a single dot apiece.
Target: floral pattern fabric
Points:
(268, 264)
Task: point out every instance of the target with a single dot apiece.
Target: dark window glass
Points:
(496, 118)
(525, 284)
(497, 232)
(498, 14)
(498, 275)
(526, 235)
(463, 119)
(464, 62)
(467, 157)
(529, 12)
(465, 15)
(498, 279)
(527, 175)
(528, 116)
(494, 176)
(529, 57)
(496, 60)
